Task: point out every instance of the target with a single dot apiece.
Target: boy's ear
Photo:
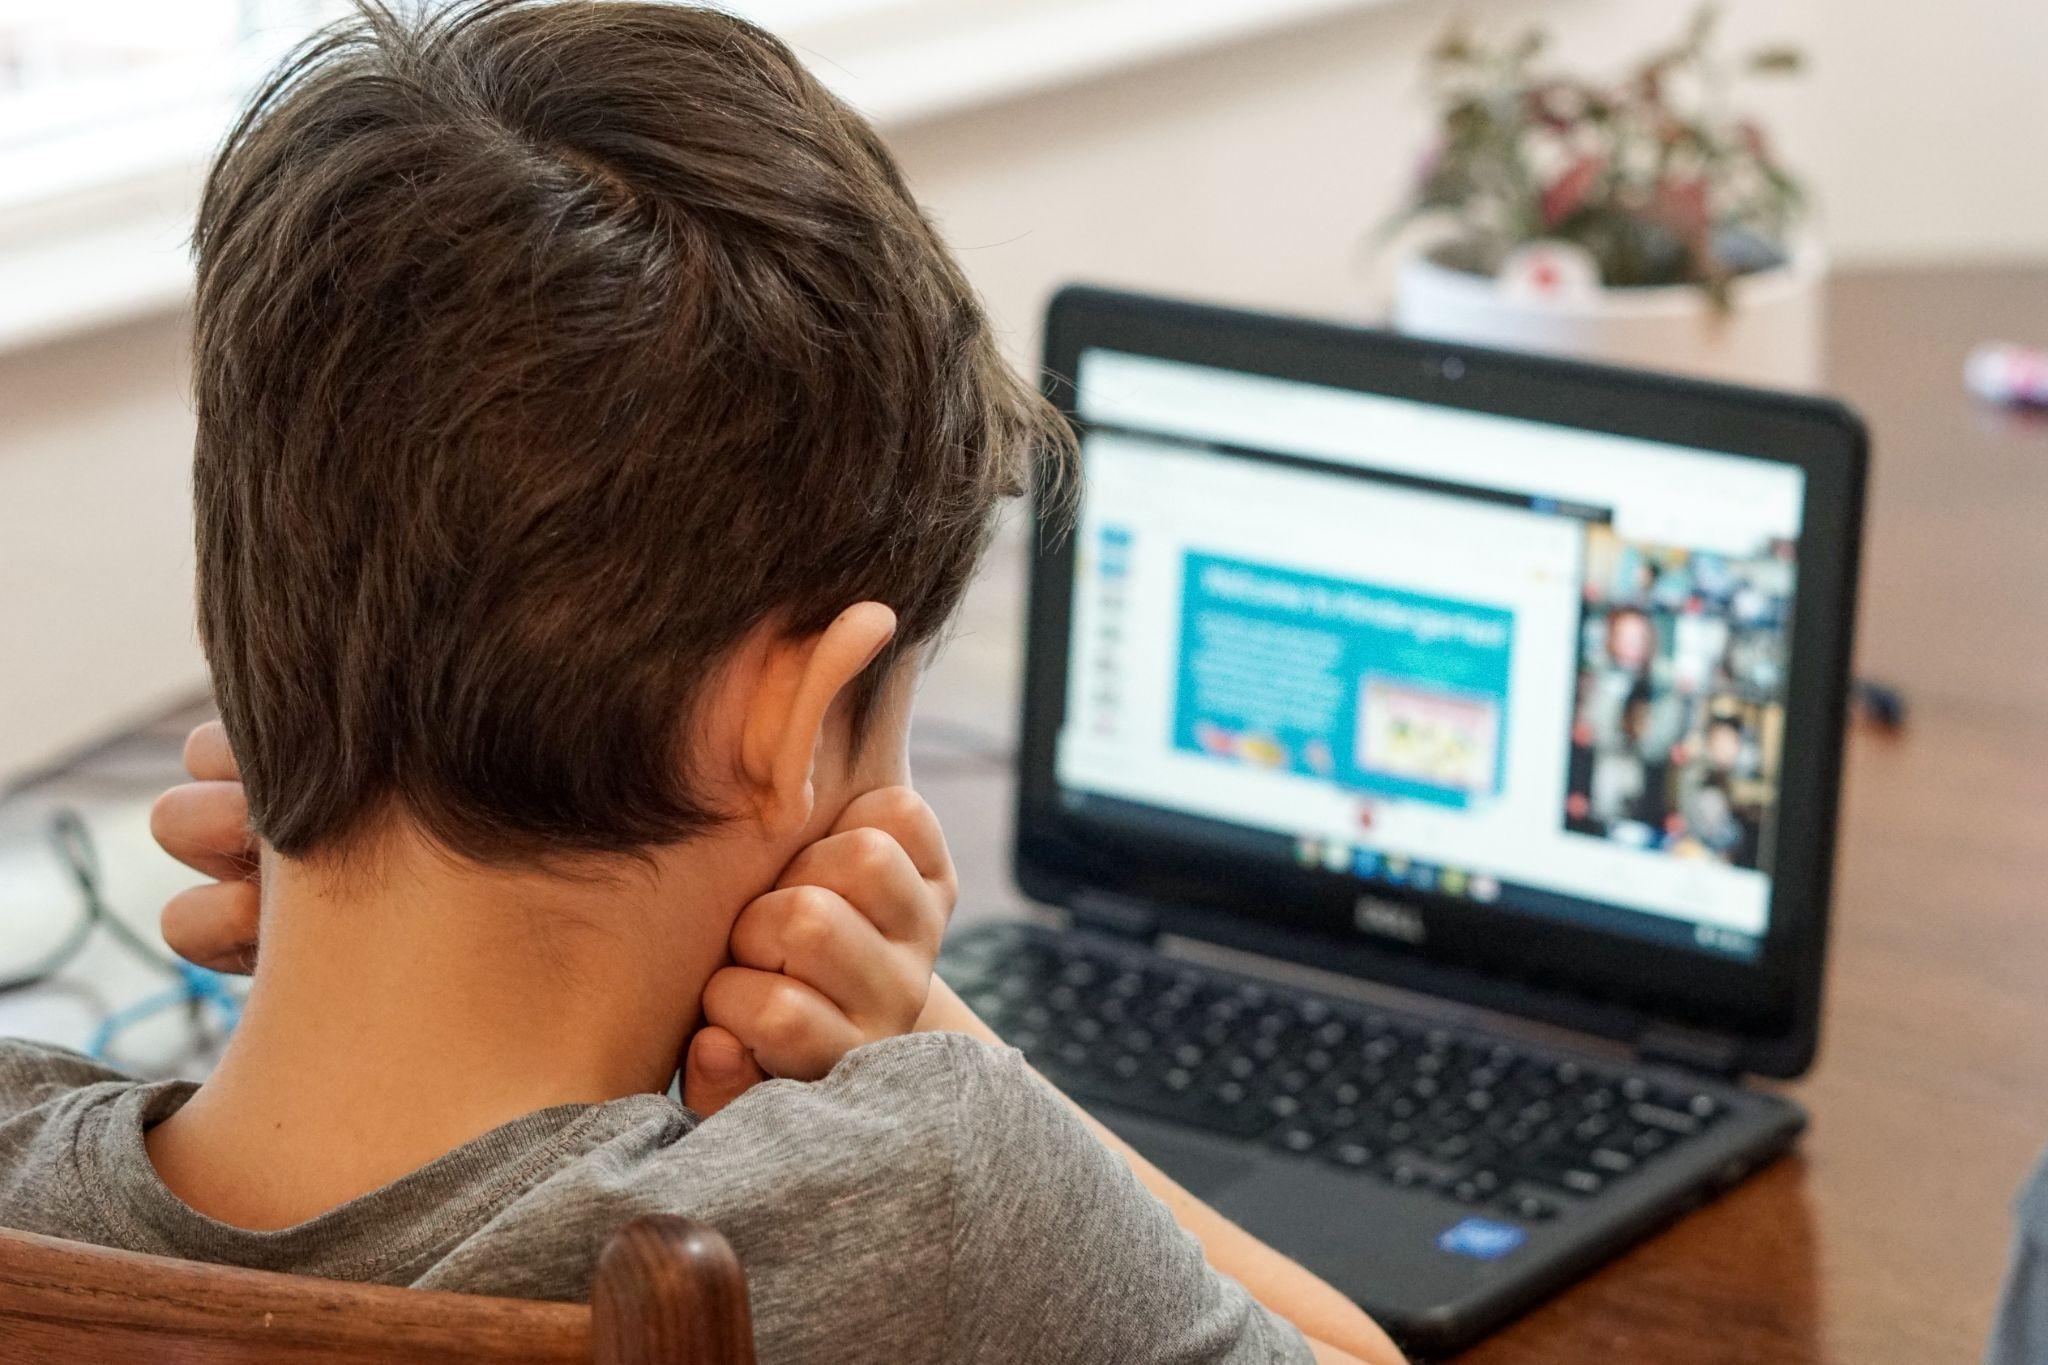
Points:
(798, 681)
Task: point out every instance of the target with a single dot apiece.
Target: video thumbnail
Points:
(1680, 700)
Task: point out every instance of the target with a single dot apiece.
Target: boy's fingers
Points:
(907, 818)
(790, 1029)
(817, 937)
(205, 825)
(871, 870)
(717, 1071)
(214, 925)
(207, 755)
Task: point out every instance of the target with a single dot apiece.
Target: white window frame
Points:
(104, 238)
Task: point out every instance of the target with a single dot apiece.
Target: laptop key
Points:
(1476, 1186)
(1349, 1153)
(1334, 1120)
(1580, 1181)
(1411, 1168)
(1533, 1208)
(1670, 1120)
(1297, 1138)
(1345, 1093)
(1079, 972)
(1452, 1148)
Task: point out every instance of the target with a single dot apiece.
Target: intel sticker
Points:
(1481, 1238)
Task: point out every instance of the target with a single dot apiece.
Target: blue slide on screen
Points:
(1374, 689)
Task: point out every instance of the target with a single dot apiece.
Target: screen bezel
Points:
(1766, 1008)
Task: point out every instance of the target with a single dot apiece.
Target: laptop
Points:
(1434, 753)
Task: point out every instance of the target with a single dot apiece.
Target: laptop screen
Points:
(1532, 668)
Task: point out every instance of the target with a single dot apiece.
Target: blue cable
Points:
(197, 987)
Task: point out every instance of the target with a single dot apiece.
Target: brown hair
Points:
(544, 350)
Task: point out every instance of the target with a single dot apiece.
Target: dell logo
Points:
(1388, 919)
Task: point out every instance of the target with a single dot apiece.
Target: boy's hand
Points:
(204, 824)
(840, 953)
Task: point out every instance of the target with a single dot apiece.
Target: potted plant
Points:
(1638, 221)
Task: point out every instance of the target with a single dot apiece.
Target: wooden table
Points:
(1885, 1238)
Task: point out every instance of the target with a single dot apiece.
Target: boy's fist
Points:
(840, 953)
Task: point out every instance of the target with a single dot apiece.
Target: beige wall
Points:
(1248, 174)
(1252, 174)
(95, 538)
(1929, 127)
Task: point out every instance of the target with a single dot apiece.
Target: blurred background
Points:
(1232, 151)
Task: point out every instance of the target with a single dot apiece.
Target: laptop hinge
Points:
(1690, 1050)
(1116, 916)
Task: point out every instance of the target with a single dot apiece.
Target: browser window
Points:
(1515, 664)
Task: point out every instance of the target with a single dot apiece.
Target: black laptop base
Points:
(1445, 1178)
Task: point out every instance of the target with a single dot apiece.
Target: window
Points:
(102, 91)
(109, 108)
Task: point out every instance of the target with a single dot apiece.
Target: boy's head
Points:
(548, 354)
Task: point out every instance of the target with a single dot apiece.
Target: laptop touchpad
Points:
(1203, 1166)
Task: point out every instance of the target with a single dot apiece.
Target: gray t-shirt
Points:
(2019, 1336)
(929, 1200)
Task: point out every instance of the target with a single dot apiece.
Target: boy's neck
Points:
(397, 1016)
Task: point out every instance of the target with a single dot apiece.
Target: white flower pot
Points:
(1771, 336)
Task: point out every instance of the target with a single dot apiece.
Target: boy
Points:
(592, 437)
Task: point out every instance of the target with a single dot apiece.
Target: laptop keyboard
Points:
(1389, 1096)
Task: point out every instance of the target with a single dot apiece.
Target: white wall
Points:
(1252, 174)
(95, 538)
(1248, 174)
(1931, 127)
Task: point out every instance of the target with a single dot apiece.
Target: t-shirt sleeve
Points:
(32, 1073)
(2019, 1336)
(1060, 1254)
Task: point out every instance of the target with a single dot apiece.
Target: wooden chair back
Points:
(668, 1291)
